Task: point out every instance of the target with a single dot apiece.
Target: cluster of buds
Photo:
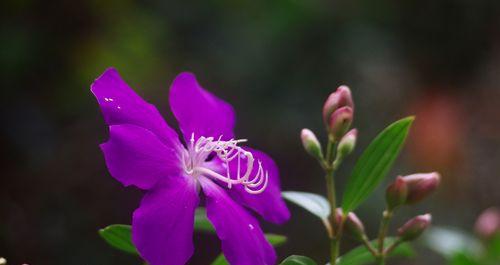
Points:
(338, 113)
(408, 190)
(352, 224)
(411, 189)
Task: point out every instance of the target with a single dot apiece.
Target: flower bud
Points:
(396, 193)
(354, 226)
(488, 223)
(347, 143)
(414, 228)
(340, 121)
(339, 214)
(340, 98)
(311, 143)
(421, 185)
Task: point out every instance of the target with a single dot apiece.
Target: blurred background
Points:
(276, 62)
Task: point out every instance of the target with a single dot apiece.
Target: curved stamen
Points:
(216, 175)
(228, 151)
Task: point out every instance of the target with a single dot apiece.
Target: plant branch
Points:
(384, 226)
(330, 166)
(394, 245)
(369, 246)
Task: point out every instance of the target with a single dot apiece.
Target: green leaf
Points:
(375, 163)
(119, 236)
(313, 203)
(493, 247)
(298, 260)
(201, 222)
(360, 255)
(274, 239)
(460, 258)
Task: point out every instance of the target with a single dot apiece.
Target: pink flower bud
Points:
(414, 228)
(340, 121)
(488, 223)
(347, 143)
(340, 98)
(396, 193)
(311, 143)
(354, 226)
(339, 214)
(421, 185)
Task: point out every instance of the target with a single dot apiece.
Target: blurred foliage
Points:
(460, 248)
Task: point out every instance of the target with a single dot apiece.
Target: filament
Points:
(231, 155)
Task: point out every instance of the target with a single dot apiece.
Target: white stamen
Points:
(227, 151)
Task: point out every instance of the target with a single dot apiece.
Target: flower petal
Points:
(136, 156)
(162, 227)
(243, 242)
(269, 204)
(198, 111)
(121, 105)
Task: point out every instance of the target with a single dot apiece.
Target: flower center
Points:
(232, 156)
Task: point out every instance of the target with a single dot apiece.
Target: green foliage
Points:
(461, 248)
(119, 236)
(462, 258)
(375, 163)
(449, 241)
(298, 260)
(314, 203)
(493, 247)
(360, 255)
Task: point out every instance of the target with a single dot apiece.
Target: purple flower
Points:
(144, 151)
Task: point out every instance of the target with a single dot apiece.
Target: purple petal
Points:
(136, 156)
(162, 227)
(269, 204)
(121, 105)
(243, 242)
(198, 111)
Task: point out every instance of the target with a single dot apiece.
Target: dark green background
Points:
(276, 62)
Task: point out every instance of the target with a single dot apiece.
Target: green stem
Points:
(334, 252)
(329, 150)
(330, 186)
(330, 182)
(331, 194)
(369, 246)
(336, 242)
(381, 260)
(384, 226)
(393, 246)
